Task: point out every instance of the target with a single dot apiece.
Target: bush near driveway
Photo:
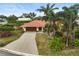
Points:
(77, 34)
(5, 34)
(43, 49)
(56, 44)
(15, 35)
(17, 32)
(76, 42)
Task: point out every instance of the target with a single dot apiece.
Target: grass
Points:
(42, 45)
(7, 40)
(70, 52)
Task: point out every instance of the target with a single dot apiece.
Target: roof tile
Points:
(35, 23)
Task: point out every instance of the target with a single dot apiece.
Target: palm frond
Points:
(48, 6)
(55, 8)
(65, 8)
(52, 5)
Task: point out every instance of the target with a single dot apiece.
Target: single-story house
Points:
(24, 19)
(35, 25)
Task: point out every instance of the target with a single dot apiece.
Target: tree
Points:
(39, 17)
(68, 15)
(24, 15)
(2, 16)
(12, 19)
(32, 15)
(29, 15)
(49, 13)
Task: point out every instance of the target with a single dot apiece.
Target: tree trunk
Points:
(48, 29)
(73, 38)
(48, 32)
(67, 39)
(54, 31)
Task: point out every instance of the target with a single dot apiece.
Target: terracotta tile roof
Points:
(35, 23)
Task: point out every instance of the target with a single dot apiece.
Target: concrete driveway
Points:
(25, 44)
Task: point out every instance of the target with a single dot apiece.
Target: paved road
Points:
(5, 53)
(25, 44)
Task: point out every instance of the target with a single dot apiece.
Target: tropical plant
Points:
(2, 16)
(56, 44)
(76, 42)
(49, 13)
(29, 15)
(69, 15)
(32, 15)
(6, 28)
(5, 34)
(12, 19)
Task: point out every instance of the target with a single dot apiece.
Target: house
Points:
(24, 19)
(3, 21)
(35, 25)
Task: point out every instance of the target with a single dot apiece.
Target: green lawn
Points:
(42, 44)
(6, 40)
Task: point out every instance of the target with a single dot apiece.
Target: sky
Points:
(19, 8)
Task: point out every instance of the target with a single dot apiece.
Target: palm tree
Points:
(25, 15)
(69, 15)
(49, 13)
(32, 15)
(75, 9)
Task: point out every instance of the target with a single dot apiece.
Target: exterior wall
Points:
(24, 19)
(32, 28)
(24, 28)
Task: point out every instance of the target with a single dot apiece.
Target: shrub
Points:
(58, 34)
(56, 44)
(5, 34)
(16, 32)
(77, 33)
(76, 42)
(6, 28)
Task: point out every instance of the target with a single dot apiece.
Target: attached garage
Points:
(35, 25)
(30, 28)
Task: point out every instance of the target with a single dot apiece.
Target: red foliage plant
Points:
(5, 34)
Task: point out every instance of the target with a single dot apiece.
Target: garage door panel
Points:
(31, 29)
